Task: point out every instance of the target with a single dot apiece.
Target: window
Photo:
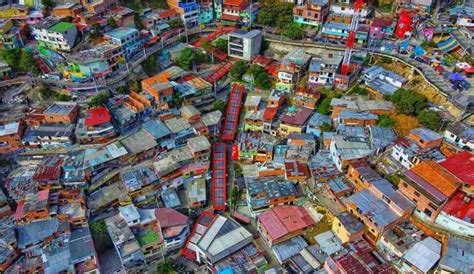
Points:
(405, 184)
(427, 212)
(386, 199)
(416, 194)
(433, 206)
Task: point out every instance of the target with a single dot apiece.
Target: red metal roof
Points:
(239, 3)
(221, 56)
(202, 223)
(272, 69)
(469, 70)
(381, 22)
(282, 220)
(169, 217)
(219, 73)
(296, 169)
(41, 196)
(47, 173)
(168, 13)
(230, 17)
(97, 116)
(362, 259)
(269, 114)
(219, 176)
(298, 117)
(459, 208)
(233, 112)
(461, 165)
(262, 61)
(241, 217)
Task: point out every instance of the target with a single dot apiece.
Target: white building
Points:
(55, 35)
(130, 214)
(223, 238)
(345, 149)
(244, 45)
(460, 135)
(322, 70)
(344, 7)
(409, 154)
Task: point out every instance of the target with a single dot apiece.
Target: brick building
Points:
(10, 137)
(61, 112)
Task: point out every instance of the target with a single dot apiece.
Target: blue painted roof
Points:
(122, 32)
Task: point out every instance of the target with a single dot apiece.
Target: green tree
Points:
(274, 13)
(48, 3)
(263, 81)
(47, 93)
(206, 45)
(123, 90)
(99, 100)
(96, 31)
(135, 85)
(21, 60)
(234, 197)
(4, 162)
(386, 121)
(28, 63)
(260, 76)
(165, 267)
(238, 69)
(430, 119)
(200, 57)
(63, 97)
(111, 22)
(177, 99)
(156, 4)
(387, 97)
(100, 236)
(238, 170)
(138, 22)
(359, 90)
(176, 23)
(325, 106)
(325, 127)
(293, 31)
(255, 69)
(222, 44)
(150, 65)
(185, 60)
(408, 102)
(189, 57)
(219, 105)
(10, 56)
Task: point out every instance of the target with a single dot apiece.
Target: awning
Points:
(230, 17)
(455, 77)
(448, 45)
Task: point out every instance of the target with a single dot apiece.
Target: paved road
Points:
(433, 78)
(119, 75)
(427, 72)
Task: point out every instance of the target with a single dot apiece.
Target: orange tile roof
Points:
(235, 2)
(168, 13)
(437, 176)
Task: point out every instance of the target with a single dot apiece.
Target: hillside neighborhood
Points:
(236, 136)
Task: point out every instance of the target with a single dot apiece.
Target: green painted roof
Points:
(61, 27)
(148, 236)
